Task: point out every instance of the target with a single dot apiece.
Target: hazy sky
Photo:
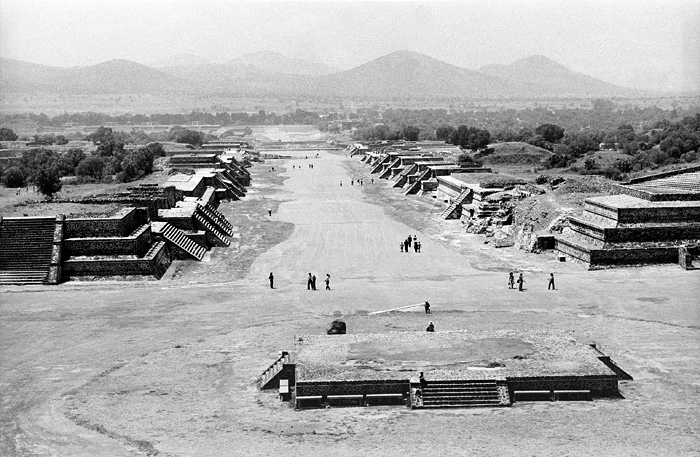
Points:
(643, 44)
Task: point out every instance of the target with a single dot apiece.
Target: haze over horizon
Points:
(650, 45)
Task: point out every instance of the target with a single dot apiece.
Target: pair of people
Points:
(511, 281)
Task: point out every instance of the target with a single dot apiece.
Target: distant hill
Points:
(402, 74)
(178, 60)
(114, 76)
(412, 74)
(553, 78)
(274, 62)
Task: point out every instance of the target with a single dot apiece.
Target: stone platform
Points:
(389, 363)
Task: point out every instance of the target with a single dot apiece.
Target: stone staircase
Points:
(181, 240)
(270, 377)
(451, 211)
(217, 218)
(459, 394)
(211, 229)
(414, 187)
(26, 245)
(387, 171)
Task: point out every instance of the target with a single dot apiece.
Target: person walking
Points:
(521, 282)
(410, 240)
(551, 282)
(401, 246)
(419, 246)
(511, 280)
(309, 282)
(328, 281)
(313, 282)
(427, 307)
(405, 245)
(272, 280)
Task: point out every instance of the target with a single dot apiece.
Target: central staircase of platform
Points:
(26, 245)
(451, 211)
(180, 239)
(458, 394)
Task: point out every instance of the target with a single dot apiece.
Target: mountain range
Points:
(405, 74)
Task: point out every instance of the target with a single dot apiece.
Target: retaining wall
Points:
(136, 244)
(121, 224)
(324, 388)
(154, 264)
(600, 386)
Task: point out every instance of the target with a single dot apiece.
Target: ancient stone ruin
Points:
(154, 226)
(651, 220)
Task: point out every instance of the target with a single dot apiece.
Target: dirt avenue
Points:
(169, 367)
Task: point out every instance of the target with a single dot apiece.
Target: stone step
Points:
(476, 404)
(22, 278)
(438, 392)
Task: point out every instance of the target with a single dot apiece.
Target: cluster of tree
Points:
(7, 134)
(298, 116)
(44, 168)
(382, 132)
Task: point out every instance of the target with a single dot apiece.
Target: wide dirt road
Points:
(127, 368)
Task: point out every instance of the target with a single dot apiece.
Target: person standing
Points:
(328, 281)
(272, 280)
(269, 211)
(405, 245)
(511, 280)
(313, 282)
(309, 282)
(410, 240)
(521, 282)
(551, 282)
(419, 246)
(401, 246)
(427, 307)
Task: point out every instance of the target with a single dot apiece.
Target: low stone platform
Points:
(389, 363)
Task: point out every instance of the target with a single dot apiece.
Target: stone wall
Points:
(157, 260)
(137, 244)
(121, 224)
(658, 214)
(601, 386)
(653, 196)
(639, 256)
(324, 388)
(664, 174)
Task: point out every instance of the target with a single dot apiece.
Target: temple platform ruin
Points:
(462, 369)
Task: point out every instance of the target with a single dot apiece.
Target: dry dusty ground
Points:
(129, 368)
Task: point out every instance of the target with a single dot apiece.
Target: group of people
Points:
(310, 282)
(408, 242)
(521, 281)
(352, 181)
